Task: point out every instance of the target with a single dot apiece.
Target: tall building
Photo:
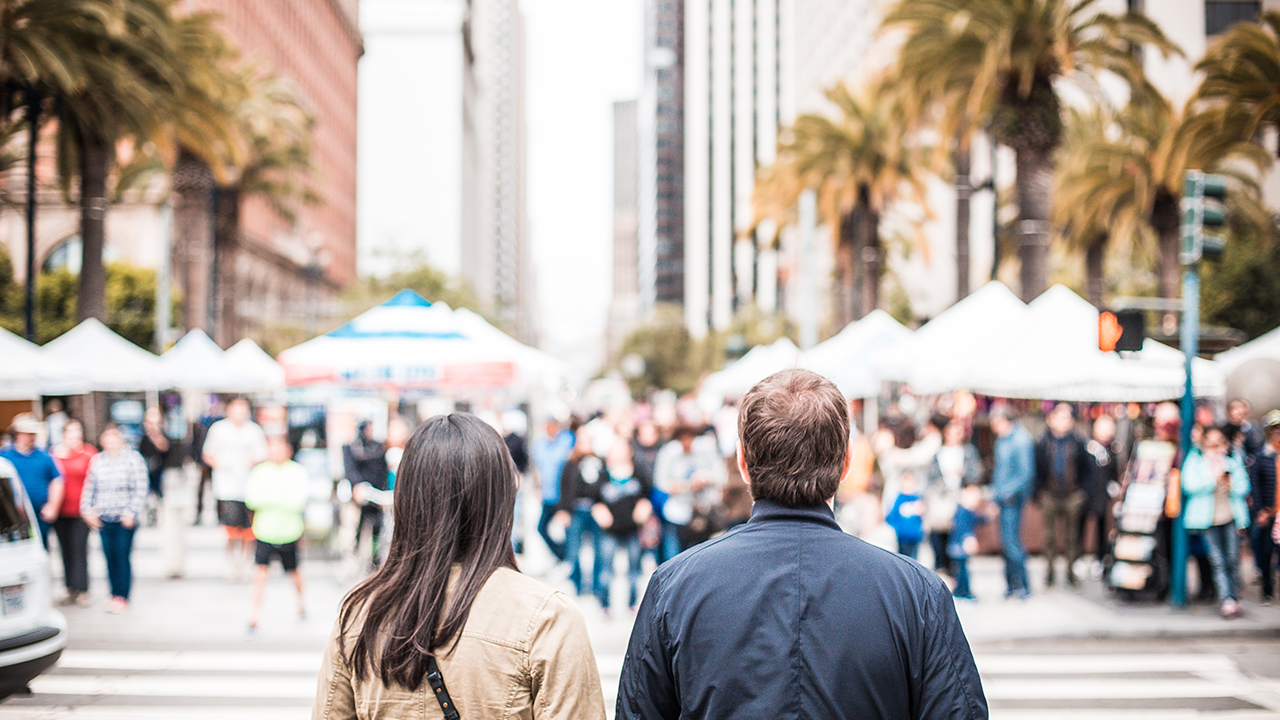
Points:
(278, 269)
(625, 308)
(660, 124)
(496, 261)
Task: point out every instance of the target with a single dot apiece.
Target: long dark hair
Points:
(454, 503)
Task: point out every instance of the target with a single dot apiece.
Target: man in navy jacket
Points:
(787, 616)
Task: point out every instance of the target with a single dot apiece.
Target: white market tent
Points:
(1265, 346)
(262, 372)
(90, 357)
(939, 356)
(409, 342)
(19, 367)
(1056, 357)
(757, 364)
(847, 358)
(197, 363)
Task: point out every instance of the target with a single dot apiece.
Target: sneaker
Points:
(117, 605)
(82, 600)
(1231, 609)
(68, 600)
(1267, 600)
(965, 598)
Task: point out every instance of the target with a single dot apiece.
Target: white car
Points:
(32, 633)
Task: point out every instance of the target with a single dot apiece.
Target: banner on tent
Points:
(423, 376)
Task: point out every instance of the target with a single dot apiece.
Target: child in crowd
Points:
(964, 542)
(906, 517)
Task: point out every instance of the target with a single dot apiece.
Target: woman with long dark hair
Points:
(448, 623)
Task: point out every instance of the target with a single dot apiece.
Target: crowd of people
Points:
(645, 483)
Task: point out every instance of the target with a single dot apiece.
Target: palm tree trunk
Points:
(846, 270)
(1035, 180)
(193, 236)
(872, 253)
(1164, 219)
(95, 163)
(964, 191)
(226, 240)
(33, 140)
(1095, 283)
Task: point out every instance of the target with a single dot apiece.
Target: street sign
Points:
(1121, 331)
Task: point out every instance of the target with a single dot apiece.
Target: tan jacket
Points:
(524, 653)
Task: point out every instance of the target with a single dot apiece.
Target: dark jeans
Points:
(371, 514)
(73, 540)
(609, 546)
(671, 545)
(960, 566)
(1265, 554)
(43, 527)
(1015, 555)
(938, 541)
(583, 529)
(909, 548)
(1223, 544)
(548, 512)
(117, 546)
(1101, 545)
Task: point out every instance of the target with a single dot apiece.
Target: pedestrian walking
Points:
(277, 494)
(72, 456)
(39, 473)
(1012, 476)
(787, 615)
(1265, 498)
(1215, 487)
(906, 517)
(1061, 470)
(621, 508)
(232, 448)
(158, 451)
(1102, 474)
(550, 452)
(954, 465)
(690, 473)
(449, 610)
(365, 462)
(577, 496)
(962, 543)
(115, 492)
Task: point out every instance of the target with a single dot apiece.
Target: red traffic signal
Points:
(1121, 331)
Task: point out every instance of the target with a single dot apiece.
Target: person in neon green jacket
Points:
(277, 495)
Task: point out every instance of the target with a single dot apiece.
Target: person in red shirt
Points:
(72, 457)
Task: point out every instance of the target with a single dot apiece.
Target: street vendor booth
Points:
(19, 376)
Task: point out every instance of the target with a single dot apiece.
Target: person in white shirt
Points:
(232, 448)
(691, 473)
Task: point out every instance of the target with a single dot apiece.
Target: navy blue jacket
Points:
(788, 617)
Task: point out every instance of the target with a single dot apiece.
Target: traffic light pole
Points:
(1190, 348)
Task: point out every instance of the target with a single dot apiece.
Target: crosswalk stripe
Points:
(223, 686)
(162, 660)
(1100, 664)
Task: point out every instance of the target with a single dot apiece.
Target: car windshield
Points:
(15, 523)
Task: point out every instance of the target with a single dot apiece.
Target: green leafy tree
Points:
(1242, 291)
(1009, 55)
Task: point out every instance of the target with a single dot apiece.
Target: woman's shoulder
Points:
(514, 606)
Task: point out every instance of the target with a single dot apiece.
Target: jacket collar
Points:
(768, 510)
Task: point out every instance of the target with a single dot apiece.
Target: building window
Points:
(1219, 15)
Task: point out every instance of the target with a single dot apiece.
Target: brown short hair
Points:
(794, 427)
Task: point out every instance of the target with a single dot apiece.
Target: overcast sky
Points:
(582, 56)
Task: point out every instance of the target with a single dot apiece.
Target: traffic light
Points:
(1121, 331)
(1203, 216)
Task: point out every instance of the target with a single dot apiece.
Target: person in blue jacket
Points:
(1012, 477)
(787, 616)
(1215, 487)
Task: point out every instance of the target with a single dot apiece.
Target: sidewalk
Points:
(1093, 611)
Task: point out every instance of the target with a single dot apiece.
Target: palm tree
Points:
(1009, 54)
(128, 90)
(42, 55)
(1120, 175)
(1238, 99)
(858, 164)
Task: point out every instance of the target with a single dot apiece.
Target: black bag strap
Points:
(436, 681)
